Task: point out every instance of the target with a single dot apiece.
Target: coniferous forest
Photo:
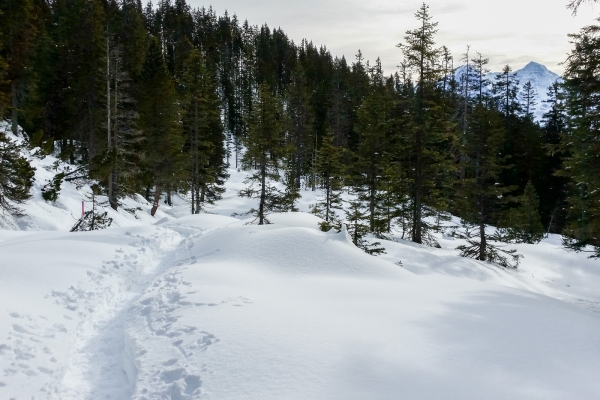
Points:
(162, 99)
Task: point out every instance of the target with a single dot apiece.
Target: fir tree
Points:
(523, 223)
(16, 177)
(374, 126)
(580, 144)
(19, 27)
(329, 170)
(203, 130)
(431, 129)
(552, 188)
(358, 227)
(264, 145)
(159, 122)
(479, 194)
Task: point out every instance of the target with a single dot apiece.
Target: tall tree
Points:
(580, 144)
(203, 131)
(159, 122)
(431, 130)
(330, 170)
(264, 145)
(16, 177)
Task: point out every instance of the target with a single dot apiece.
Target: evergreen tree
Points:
(264, 145)
(431, 130)
(523, 222)
(329, 170)
(580, 144)
(358, 228)
(479, 193)
(374, 127)
(19, 27)
(204, 132)
(552, 187)
(159, 121)
(16, 177)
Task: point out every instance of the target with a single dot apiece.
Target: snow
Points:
(211, 307)
(539, 75)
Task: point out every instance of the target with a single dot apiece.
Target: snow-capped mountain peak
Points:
(539, 76)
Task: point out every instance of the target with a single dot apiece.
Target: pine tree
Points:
(16, 177)
(374, 127)
(264, 143)
(523, 223)
(301, 120)
(329, 170)
(552, 188)
(159, 122)
(580, 144)
(479, 194)
(204, 132)
(358, 227)
(19, 27)
(431, 129)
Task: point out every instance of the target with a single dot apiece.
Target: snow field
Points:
(250, 316)
(208, 307)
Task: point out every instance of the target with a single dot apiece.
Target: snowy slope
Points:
(206, 306)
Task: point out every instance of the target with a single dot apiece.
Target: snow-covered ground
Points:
(206, 306)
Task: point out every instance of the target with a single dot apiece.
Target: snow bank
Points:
(276, 312)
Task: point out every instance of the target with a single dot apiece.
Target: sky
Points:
(512, 32)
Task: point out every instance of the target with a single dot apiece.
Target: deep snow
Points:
(205, 306)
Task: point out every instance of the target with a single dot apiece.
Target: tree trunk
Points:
(263, 193)
(156, 200)
(15, 110)
(417, 213)
(112, 198)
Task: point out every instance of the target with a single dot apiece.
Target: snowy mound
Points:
(292, 313)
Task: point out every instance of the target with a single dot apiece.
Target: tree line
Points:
(161, 99)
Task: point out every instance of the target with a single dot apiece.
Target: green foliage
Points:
(16, 177)
(329, 169)
(264, 147)
(203, 132)
(580, 143)
(428, 126)
(357, 224)
(159, 121)
(92, 220)
(523, 223)
(51, 189)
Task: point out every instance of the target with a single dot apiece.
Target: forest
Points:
(162, 99)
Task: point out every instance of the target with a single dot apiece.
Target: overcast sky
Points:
(507, 32)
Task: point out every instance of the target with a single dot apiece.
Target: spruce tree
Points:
(264, 144)
(431, 129)
(552, 187)
(523, 223)
(479, 193)
(203, 131)
(159, 122)
(16, 177)
(580, 144)
(329, 170)
(19, 27)
(358, 227)
(374, 127)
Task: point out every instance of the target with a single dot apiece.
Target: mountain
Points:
(539, 76)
